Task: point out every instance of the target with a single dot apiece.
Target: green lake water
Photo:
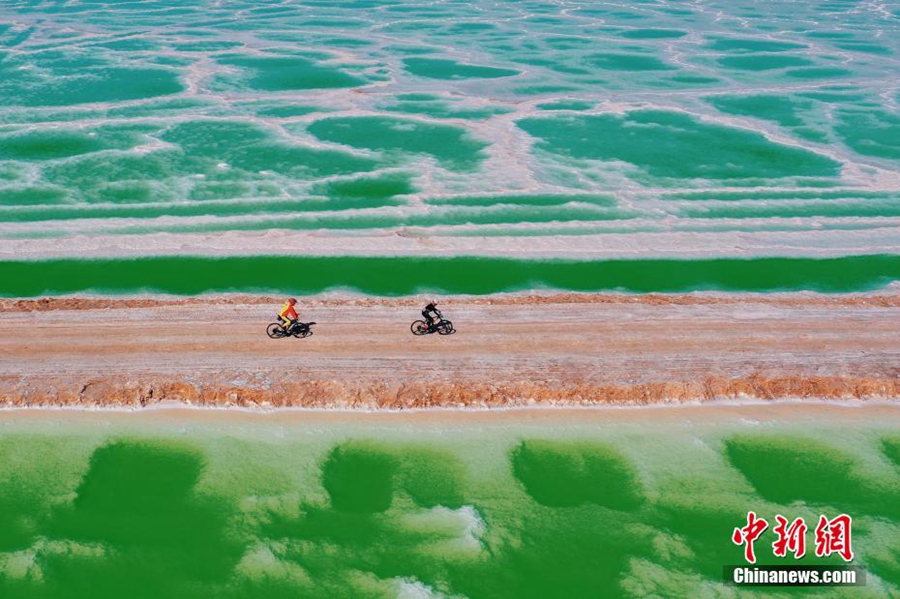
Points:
(109, 508)
(392, 276)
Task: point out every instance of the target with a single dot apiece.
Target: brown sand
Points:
(509, 351)
(47, 304)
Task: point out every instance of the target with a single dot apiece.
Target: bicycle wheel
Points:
(275, 331)
(418, 327)
(301, 331)
(446, 328)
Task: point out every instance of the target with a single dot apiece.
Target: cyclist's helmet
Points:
(292, 301)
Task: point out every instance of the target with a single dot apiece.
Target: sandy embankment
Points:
(510, 351)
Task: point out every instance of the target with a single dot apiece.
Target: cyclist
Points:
(288, 314)
(432, 315)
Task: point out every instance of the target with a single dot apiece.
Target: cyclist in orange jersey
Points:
(288, 314)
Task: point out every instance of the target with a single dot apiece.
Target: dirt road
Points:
(505, 353)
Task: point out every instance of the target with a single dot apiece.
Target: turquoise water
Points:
(615, 509)
(113, 113)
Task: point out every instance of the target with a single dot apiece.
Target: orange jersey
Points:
(287, 311)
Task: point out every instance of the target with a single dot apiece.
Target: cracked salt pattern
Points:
(700, 120)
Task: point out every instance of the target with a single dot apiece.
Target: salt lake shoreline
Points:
(757, 411)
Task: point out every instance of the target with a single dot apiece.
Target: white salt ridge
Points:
(881, 238)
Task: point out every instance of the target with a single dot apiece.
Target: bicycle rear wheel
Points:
(275, 331)
(418, 327)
